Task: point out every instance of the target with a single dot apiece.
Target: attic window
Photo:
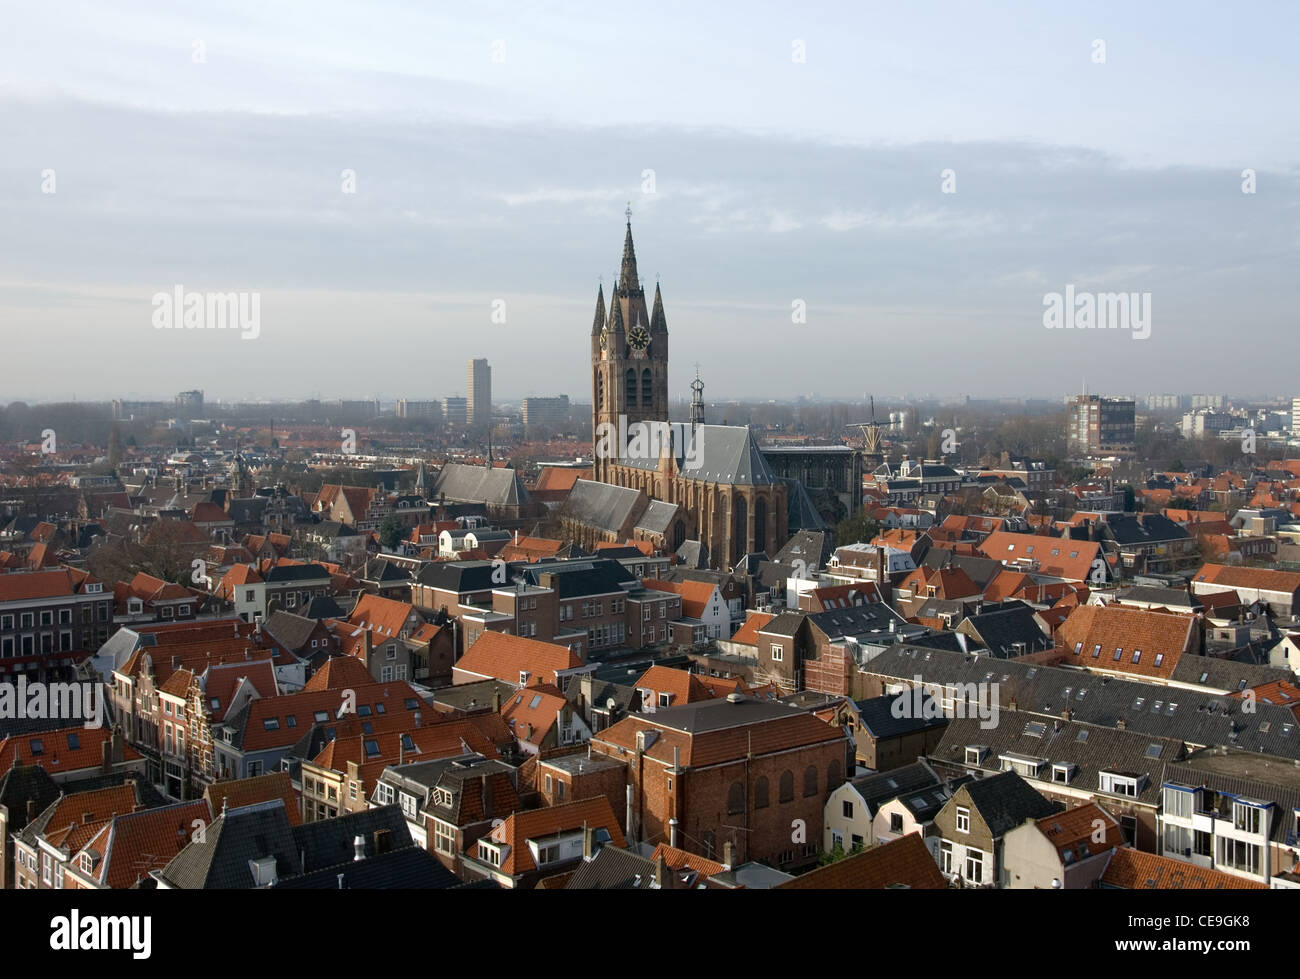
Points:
(410, 703)
(1153, 751)
(214, 703)
(321, 716)
(74, 742)
(37, 746)
(372, 748)
(271, 723)
(1096, 650)
(408, 743)
(1119, 653)
(1160, 658)
(1137, 655)
(535, 702)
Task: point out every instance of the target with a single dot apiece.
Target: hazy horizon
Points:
(493, 152)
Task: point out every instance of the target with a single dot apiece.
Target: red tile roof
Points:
(505, 657)
(519, 828)
(1135, 870)
(905, 860)
(1131, 631)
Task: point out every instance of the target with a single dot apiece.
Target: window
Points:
(975, 866)
(945, 857)
(1096, 650)
(1119, 653)
(810, 781)
(384, 794)
(896, 822)
(963, 820)
(787, 786)
(1177, 802)
(735, 799)
(761, 793)
(489, 854)
(444, 837)
(1126, 785)
(777, 653)
(1245, 818)
(847, 808)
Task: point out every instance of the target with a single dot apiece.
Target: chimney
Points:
(661, 873)
(588, 842)
(358, 848)
(729, 854)
(496, 701)
(106, 755)
(1121, 724)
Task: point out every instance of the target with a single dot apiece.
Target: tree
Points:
(857, 528)
(390, 532)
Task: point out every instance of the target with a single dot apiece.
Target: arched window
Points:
(787, 786)
(810, 781)
(760, 793)
(600, 392)
(735, 799)
(647, 388)
(760, 524)
(834, 776)
(631, 388)
(742, 518)
(679, 535)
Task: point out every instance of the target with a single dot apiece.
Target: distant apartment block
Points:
(455, 411)
(1100, 426)
(541, 412)
(1295, 415)
(431, 410)
(1208, 401)
(478, 384)
(190, 403)
(1166, 402)
(1199, 424)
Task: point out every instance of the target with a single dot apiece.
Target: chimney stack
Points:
(729, 854)
(661, 873)
(588, 842)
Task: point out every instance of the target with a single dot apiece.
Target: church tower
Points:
(629, 354)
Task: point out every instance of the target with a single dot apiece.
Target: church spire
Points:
(615, 314)
(657, 322)
(599, 322)
(628, 280)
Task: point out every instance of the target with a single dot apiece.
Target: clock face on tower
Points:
(639, 338)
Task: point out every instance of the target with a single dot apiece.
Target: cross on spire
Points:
(628, 212)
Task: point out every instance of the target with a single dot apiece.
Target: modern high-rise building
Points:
(1295, 416)
(455, 410)
(190, 403)
(406, 408)
(540, 412)
(1100, 426)
(478, 385)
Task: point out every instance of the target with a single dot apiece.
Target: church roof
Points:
(725, 454)
(603, 505)
(658, 515)
(460, 483)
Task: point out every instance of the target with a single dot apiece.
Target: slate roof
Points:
(292, 631)
(866, 621)
(1006, 800)
(1000, 630)
(881, 787)
(21, 784)
(1092, 750)
(656, 517)
(573, 579)
(694, 554)
(1194, 717)
(459, 483)
(877, 715)
(409, 868)
(1226, 674)
(603, 505)
(800, 511)
(813, 547)
(724, 454)
(613, 869)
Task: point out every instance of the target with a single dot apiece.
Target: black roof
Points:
(1006, 800)
(878, 715)
(410, 868)
(295, 572)
(1001, 629)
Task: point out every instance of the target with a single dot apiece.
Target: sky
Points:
(837, 199)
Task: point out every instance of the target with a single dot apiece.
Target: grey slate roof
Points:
(1194, 717)
(613, 869)
(603, 505)
(293, 631)
(21, 784)
(283, 573)
(1091, 749)
(1000, 630)
(1007, 800)
(1225, 674)
(459, 483)
(980, 570)
(237, 836)
(1171, 598)
(881, 787)
(656, 517)
(410, 868)
(876, 714)
(812, 547)
(800, 511)
(723, 453)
